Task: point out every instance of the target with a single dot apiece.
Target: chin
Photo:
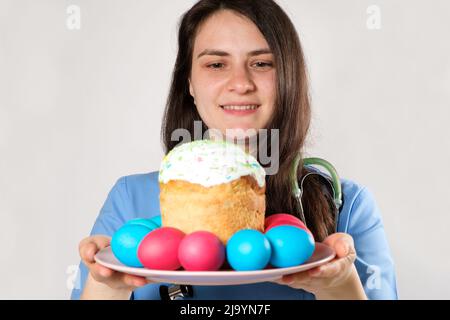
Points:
(241, 132)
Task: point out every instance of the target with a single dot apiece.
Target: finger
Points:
(315, 271)
(344, 247)
(101, 273)
(112, 278)
(89, 247)
(87, 252)
(102, 241)
(297, 278)
(135, 281)
(122, 280)
(278, 281)
(333, 268)
(342, 243)
(333, 238)
(328, 270)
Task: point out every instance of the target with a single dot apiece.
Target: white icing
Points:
(209, 163)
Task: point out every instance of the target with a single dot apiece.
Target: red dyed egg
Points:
(283, 222)
(201, 251)
(281, 219)
(159, 249)
(274, 217)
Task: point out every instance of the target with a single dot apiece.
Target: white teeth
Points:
(252, 107)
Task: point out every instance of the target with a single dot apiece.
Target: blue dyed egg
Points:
(157, 220)
(291, 246)
(149, 223)
(125, 243)
(247, 250)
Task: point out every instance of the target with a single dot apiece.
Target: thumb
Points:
(344, 247)
(342, 243)
(91, 245)
(87, 251)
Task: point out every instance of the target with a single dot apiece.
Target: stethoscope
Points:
(334, 182)
(181, 291)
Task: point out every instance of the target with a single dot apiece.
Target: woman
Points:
(235, 52)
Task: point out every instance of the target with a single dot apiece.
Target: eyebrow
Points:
(214, 52)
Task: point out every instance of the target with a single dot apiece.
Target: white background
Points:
(80, 108)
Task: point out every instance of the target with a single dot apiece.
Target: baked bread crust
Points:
(222, 209)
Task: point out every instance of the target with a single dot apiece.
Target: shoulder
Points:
(138, 179)
(360, 209)
(140, 183)
(141, 193)
(351, 189)
(130, 186)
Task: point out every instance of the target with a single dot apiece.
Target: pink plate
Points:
(321, 255)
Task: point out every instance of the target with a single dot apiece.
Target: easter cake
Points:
(212, 186)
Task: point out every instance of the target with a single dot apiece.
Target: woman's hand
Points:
(103, 282)
(338, 279)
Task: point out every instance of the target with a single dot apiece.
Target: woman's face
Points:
(232, 81)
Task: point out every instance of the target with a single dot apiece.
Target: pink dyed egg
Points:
(282, 222)
(201, 251)
(285, 216)
(159, 249)
(282, 219)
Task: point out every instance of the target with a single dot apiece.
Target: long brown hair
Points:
(292, 115)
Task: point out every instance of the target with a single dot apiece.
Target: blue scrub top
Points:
(137, 196)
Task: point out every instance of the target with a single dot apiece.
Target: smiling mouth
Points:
(247, 108)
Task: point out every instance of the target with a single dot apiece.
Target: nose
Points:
(241, 81)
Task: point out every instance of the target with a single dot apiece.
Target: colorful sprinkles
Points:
(209, 163)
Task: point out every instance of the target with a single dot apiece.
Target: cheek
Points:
(268, 95)
(266, 85)
(207, 91)
(209, 114)
(269, 85)
(207, 98)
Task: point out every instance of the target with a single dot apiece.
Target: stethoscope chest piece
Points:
(176, 292)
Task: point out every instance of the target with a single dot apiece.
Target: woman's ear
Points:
(191, 90)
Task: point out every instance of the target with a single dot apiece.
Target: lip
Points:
(240, 112)
(245, 103)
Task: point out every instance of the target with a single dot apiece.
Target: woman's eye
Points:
(219, 65)
(214, 65)
(264, 64)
